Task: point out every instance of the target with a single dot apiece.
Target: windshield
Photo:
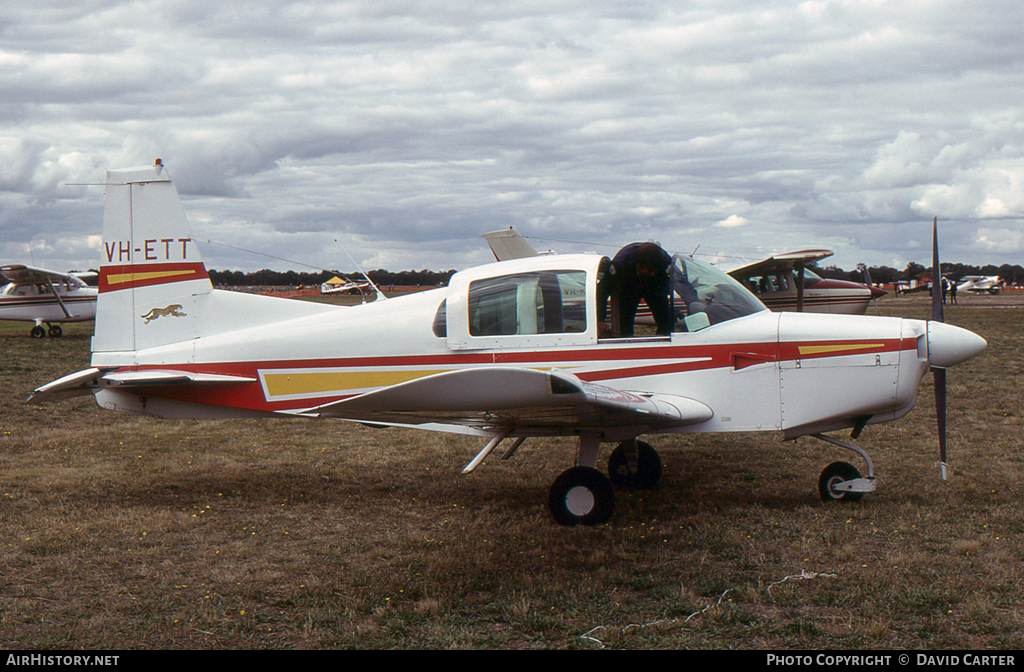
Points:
(703, 295)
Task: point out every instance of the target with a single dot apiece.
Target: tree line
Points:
(1010, 274)
(380, 277)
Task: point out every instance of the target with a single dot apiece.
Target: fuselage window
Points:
(702, 295)
(542, 302)
(440, 326)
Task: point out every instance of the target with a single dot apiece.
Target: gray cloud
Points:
(404, 130)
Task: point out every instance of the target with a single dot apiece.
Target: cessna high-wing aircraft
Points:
(45, 297)
(505, 352)
(784, 282)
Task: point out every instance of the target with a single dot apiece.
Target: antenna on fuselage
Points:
(380, 294)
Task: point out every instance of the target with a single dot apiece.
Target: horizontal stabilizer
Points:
(85, 382)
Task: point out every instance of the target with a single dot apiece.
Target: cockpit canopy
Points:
(552, 301)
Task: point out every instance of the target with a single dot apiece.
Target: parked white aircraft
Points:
(979, 284)
(45, 297)
(506, 351)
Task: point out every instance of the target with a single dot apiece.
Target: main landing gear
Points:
(54, 330)
(582, 495)
(840, 481)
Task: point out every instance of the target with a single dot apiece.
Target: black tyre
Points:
(643, 475)
(833, 475)
(56, 331)
(581, 496)
(38, 332)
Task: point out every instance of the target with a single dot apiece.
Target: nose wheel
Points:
(834, 481)
(841, 481)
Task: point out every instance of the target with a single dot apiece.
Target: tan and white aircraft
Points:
(507, 351)
(783, 282)
(45, 297)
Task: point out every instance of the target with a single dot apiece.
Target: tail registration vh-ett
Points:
(507, 351)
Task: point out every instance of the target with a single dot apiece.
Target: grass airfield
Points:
(123, 532)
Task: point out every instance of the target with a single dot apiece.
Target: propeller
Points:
(938, 373)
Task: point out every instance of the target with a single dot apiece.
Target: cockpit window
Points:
(542, 302)
(703, 295)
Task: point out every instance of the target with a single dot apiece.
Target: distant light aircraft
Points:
(507, 351)
(784, 282)
(45, 297)
(338, 286)
(921, 284)
(979, 284)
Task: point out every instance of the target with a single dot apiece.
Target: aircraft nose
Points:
(949, 345)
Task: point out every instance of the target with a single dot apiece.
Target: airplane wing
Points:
(494, 399)
(781, 262)
(28, 275)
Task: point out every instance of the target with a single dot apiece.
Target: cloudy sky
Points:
(397, 131)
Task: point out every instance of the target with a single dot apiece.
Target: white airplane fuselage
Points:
(763, 371)
(28, 303)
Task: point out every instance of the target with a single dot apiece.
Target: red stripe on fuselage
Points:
(650, 359)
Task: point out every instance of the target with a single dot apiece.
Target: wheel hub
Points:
(579, 500)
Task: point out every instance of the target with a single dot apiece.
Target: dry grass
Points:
(123, 532)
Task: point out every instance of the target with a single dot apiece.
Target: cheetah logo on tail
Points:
(173, 310)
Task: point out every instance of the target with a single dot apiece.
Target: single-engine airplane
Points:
(979, 284)
(784, 283)
(45, 297)
(504, 352)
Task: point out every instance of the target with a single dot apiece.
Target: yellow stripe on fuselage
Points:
(121, 278)
(836, 348)
(314, 383)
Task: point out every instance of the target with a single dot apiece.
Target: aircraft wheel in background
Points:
(581, 496)
(56, 331)
(833, 475)
(643, 475)
(38, 332)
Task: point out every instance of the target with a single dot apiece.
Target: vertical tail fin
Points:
(151, 272)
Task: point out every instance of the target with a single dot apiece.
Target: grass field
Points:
(120, 532)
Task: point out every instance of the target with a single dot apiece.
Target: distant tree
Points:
(913, 270)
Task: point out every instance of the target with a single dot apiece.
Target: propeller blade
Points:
(939, 375)
(936, 275)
